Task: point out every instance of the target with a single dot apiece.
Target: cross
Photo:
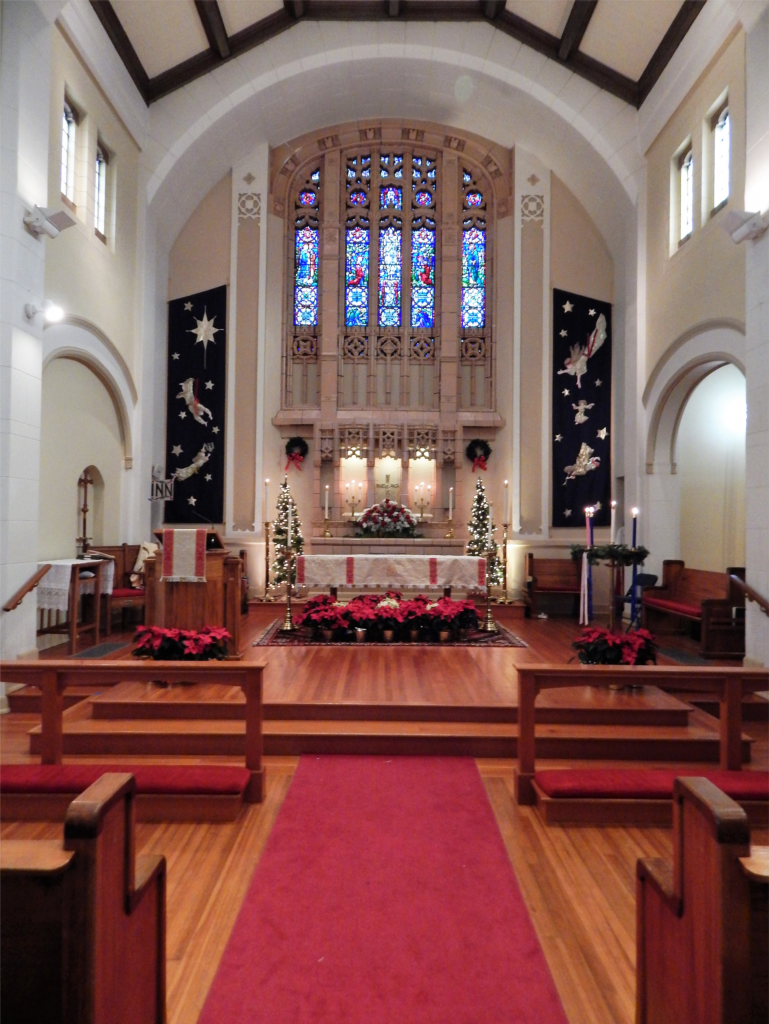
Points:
(386, 485)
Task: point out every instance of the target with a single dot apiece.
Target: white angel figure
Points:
(197, 463)
(576, 364)
(197, 408)
(585, 462)
(581, 407)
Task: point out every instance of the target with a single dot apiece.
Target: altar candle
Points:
(266, 499)
(635, 525)
(288, 531)
(488, 545)
(504, 507)
(592, 537)
(451, 503)
(326, 501)
(587, 526)
(613, 520)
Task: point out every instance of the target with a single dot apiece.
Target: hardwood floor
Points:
(578, 882)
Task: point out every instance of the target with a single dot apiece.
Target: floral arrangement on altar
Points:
(386, 519)
(596, 646)
(388, 613)
(160, 644)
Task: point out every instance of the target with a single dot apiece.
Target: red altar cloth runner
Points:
(184, 556)
(413, 571)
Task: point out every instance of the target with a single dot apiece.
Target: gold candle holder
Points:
(353, 502)
(422, 505)
(267, 596)
(326, 531)
(489, 625)
(504, 599)
(450, 534)
(288, 622)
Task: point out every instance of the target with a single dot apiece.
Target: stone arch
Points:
(77, 339)
(692, 357)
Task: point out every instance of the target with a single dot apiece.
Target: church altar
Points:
(392, 570)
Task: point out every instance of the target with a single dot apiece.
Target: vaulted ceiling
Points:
(623, 46)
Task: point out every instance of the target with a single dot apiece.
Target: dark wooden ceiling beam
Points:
(213, 25)
(672, 39)
(579, 18)
(492, 8)
(296, 8)
(105, 12)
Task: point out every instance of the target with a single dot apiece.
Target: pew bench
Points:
(697, 595)
(637, 796)
(550, 576)
(43, 792)
(82, 932)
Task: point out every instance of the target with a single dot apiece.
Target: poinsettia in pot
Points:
(597, 646)
(444, 615)
(330, 620)
(389, 617)
(362, 616)
(415, 616)
(304, 618)
(466, 620)
(161, 644)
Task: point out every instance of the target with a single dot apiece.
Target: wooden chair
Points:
(124, 595)
(702, 921)
(82, 933)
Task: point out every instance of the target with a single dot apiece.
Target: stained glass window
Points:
(721, 148)
(423, 198)
(389, 195)
(423, 278)
(390, 277)
(356, 277)
(306, 287)
(473, 277)
(307, 198)
(474, 199)
(358, 198)
(315, 176)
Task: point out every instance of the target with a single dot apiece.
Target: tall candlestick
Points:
(326, 501)
(488, 545)
(451, 503)
(635, 525)
(288, 535)
(505, 506)
(613, 521)
(266, 498)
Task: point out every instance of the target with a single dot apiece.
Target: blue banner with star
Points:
(195, 406)
(581, 438)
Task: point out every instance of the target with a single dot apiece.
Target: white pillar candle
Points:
(587, 526)
(613, 521)
(326, 501)
(505, 506)
(267, 500)
(490, 531)
(451, 503)
(288, 532)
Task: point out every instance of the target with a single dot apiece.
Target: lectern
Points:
(216, 602)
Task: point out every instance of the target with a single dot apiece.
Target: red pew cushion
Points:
(156, 779)
(127, 592)
(644, 783)
(673, 606)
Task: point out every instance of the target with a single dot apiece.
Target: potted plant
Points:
(467, 618)
(386, 519)
(161, 644)
(304, 618)
(444, 614)
(598, 646)
(329, 619)
(361, 616)
(389, 616)
(415, 616)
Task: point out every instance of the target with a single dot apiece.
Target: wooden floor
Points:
(578, 882)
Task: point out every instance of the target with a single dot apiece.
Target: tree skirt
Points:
(274, 637)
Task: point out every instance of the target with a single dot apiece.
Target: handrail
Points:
(21, 593)
(51, 677)
(751, 594)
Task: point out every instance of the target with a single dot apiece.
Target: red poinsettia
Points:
(166, 644)
(597, 646)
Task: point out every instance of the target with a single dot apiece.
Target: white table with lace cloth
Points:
(53, 589)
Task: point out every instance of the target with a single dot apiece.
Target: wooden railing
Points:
(21, 593)
(751, 594)
(730, 684)
(51, 678)
(82, 933)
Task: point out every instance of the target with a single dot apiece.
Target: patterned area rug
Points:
(274, 637)
(100, 650)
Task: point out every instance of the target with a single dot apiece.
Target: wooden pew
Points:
(550, 576)
(82, 931)
(702, 920)
(698, 596)
(123, 596)
(730, 685)
(51, 677)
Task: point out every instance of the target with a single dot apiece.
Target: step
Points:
(83, 734)
(28, 701)
(755, 707)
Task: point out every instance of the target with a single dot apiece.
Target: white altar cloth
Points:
(419, 571)
(53, 589)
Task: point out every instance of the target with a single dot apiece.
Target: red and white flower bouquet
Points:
(386, 519)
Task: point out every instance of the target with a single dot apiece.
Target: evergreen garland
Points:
(279, 568)
(479, 533)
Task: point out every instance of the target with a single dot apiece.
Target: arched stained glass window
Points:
(423, 242)
(306, 255)
(473, 255)
(357, 240)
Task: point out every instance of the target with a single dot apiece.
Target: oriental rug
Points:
(384, 894)
(273, 636)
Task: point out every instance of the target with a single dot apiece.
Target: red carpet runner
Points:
(384, 896)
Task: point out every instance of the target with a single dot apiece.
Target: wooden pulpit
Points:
(194, 605)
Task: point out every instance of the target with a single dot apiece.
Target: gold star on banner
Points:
(175, 355)
(209, 385)
(565, 392)
(214, 430)
(207, 477)
(568, 306)
(192, 501)
(187, 307)
(176, 450)
(182, 415)
(205, 332)
(567, 512)
(598, 383)
(597, 506)
(591, 312)
(564, 334)
(602, 433)
(558, 437)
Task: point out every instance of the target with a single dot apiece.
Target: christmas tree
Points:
(479, 534)
(279, 570)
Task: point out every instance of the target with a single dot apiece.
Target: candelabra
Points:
(327, 531)
(504, 599)
(288, 622)
(267, 595)
(421, 505)
(353, 502)
(489, 625)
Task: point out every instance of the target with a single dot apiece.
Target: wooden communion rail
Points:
(729, 684)
(51, 678)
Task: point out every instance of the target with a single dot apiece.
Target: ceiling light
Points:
(50, 311)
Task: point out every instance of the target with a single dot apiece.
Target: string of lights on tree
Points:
(279, 568)
(478, 527)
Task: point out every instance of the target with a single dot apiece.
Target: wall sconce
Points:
(47, 221)
(50, 311)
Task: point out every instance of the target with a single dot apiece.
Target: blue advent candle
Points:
(635, 526)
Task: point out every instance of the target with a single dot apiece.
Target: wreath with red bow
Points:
(478, 452)
(296, 449)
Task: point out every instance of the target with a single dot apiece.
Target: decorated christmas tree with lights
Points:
(279, 569)
(479, 534)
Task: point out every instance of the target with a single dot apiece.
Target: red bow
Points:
(479, 462)
(297, 459)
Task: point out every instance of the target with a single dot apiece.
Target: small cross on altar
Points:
(387, 486)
